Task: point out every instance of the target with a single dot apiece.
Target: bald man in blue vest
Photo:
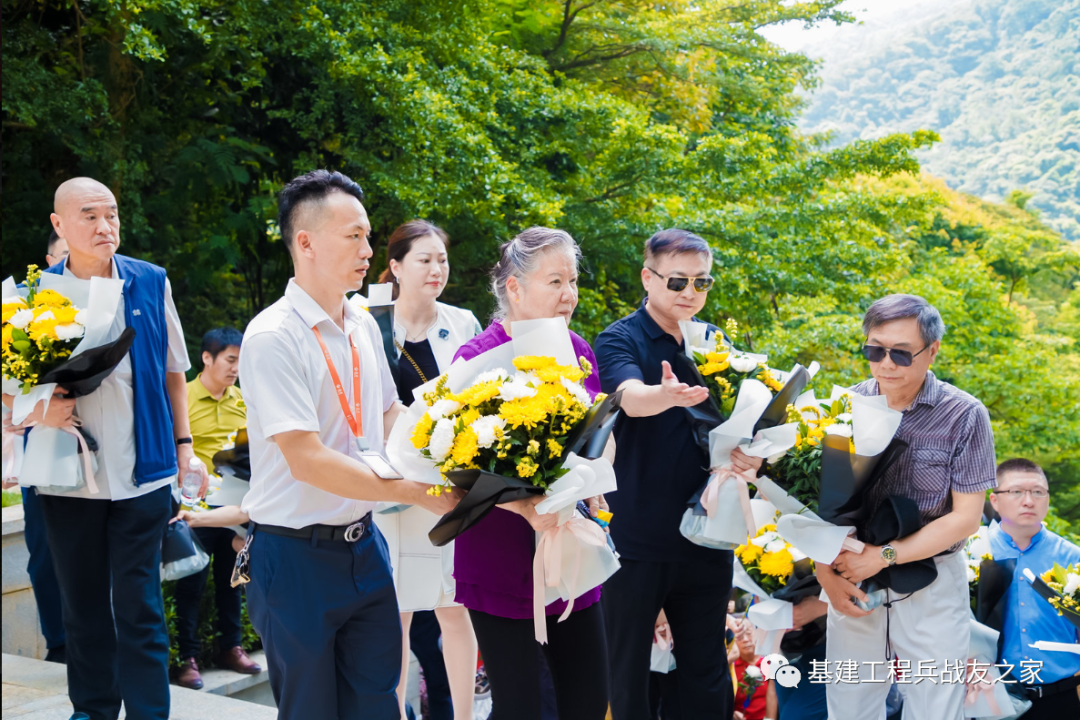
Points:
(107, 546)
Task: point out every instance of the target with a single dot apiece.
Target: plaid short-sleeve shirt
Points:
(950, 448)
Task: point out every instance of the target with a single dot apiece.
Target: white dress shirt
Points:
(287, 387)
(109, 414)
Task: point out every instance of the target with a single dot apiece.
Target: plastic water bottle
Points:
(189, 486)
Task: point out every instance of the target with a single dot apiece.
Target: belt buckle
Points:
(354, 532)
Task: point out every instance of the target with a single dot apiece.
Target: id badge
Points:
(380, 465)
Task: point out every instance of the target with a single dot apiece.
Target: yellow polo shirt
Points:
(212, 421)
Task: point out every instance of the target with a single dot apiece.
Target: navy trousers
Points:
(107, 556)
(694, 596)
(40, 570)
(328, 618)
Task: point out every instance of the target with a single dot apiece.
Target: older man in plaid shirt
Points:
(946, 470)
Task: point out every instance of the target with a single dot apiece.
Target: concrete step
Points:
(37, 690)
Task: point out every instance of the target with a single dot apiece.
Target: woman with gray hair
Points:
(536, 277)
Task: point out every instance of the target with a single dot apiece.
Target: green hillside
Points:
(998, 79)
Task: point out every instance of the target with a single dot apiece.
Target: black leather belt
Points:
(330, 533)
(1041, 691)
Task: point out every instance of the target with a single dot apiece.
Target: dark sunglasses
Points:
(902, 358)
(678, 284)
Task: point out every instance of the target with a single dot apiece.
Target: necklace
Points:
(411, 361)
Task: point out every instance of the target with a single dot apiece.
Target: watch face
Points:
(888, 553)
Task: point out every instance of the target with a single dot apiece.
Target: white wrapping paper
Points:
(51, 456)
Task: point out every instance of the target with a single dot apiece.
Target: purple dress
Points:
(493, 559)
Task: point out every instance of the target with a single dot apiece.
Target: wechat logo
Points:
(776, 667)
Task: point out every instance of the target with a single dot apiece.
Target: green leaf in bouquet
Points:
(20, 346)
(17, 334)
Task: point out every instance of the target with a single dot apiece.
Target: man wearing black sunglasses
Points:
(947, 468)
(659, 466)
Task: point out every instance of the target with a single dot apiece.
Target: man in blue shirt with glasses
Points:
(1022, 499)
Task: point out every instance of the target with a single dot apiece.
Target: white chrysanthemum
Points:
(765, 539)
(577, 391)
(443, 408)
(520, 387)
(971, 574)
(741, 363)
(47, 315)
(1072, 583)
(701, 350)
(21, 319)
(82, 317)
(775, 546)
(839, 429)
(978, 545)
(498, 375)
(485, 429)
(753, 671)
(442, 440)
(844, 417)
(70, 331)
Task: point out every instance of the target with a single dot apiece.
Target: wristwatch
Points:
(888, 554)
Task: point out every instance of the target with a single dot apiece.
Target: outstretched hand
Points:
(679, 394)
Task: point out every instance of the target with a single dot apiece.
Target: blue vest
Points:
(144, 312)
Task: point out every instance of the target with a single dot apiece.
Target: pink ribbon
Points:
(9, 450)
(9, 435)
(547, 566)
(711, 497)
(978, 687)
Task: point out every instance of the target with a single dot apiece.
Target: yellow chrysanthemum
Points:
(554, 448)
(711, 368)
(465, 447)
(748, 553)
(777, 564)
(12, 307)
(50, 298)
(65, 315)
(526, 468)
(422, 432)
(533, 448)
(525, 363)
(42, 330)
(769, 379)
(470, 415)
(479, 393)
(7, 336)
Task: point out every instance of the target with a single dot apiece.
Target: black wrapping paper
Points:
(897, 518)
(237, 458)
(1046, 592)
(995, 577)
(84, 373)
(178, 542)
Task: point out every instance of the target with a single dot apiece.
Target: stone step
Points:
(37, 690)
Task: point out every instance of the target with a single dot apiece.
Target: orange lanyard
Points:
(356, 421)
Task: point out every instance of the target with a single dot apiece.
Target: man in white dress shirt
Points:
(107, 546)
(322, 594)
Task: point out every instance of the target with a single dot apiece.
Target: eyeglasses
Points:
(1036, 494)
(678, 284)
(902, 358)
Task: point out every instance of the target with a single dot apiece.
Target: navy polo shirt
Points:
(657, 463)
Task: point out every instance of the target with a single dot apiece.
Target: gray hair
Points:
(520, 257)
(900, 306)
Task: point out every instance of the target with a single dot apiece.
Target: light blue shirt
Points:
(1028, 617)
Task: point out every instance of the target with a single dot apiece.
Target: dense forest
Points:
(998, 79)
(608, 119)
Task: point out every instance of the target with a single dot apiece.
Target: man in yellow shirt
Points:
(216, 410)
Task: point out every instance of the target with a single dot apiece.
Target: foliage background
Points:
(609, 119)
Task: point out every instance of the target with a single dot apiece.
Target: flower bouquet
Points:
(512, 423)
(1060, 586)
(55, 332)
(747, 400)
(779, 575)
(232, 466)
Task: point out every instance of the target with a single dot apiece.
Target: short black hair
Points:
(218, 339)
(1019, 465)
(53, 237)
(675, 241)
(310, 187)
